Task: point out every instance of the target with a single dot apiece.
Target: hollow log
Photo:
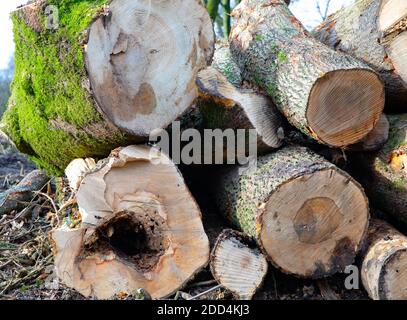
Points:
(140, 228)
(384, 173)
(331, 96)
(374, 31)
(307, 215)
(384, 266)
(238, 264)
(96, 81)
(76, 171)
(224, 103)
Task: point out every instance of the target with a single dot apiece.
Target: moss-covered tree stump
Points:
(374, 31)
(109, 73)
(330, 96)
(308, 216)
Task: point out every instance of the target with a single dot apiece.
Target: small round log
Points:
(141, 228)
(238, 264)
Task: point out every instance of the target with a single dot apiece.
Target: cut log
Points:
(376, 138)
(374, 31)
(105, 78)
(332, 97)
(141, 228)
(238, 264)
(17, 197)
(308, 216)
(384, 173)
(384, 267)
(76, 171)
(225, 104)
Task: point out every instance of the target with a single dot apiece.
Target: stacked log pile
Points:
(99, 89)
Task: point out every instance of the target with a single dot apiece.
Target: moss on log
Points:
(330, 96)
(308, 216)
(74, 96)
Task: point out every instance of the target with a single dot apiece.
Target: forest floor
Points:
(26, 262)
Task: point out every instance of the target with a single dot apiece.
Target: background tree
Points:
(6, 76)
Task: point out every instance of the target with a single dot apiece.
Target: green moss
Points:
(49, 73)
(400, 184)
(259, 37)
(282, 57)
(229, 72)
(270, 89)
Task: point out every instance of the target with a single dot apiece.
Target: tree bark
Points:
(373, 31)
(136, 231)
(17, 197)
(238, 264)
(307, 215)
(103, 79)
(384, 267)
(384, 173)
(225, 103)
(330, 96)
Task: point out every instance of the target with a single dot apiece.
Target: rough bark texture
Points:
(384, 267)
(225, 103)
(297, 202)
(136, 231)
(384, 173)
(105, 78)
(238, 264)
(356, 30)
(330, 96)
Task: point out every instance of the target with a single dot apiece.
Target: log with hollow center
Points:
(330, 96)
(384, 267)
(141, 228)
(374, 31)
(307, 215)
